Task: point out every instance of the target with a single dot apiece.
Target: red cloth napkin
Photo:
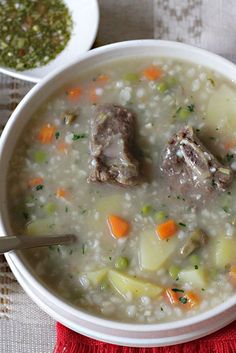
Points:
(222, 341)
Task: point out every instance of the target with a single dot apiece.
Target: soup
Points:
(136, 158)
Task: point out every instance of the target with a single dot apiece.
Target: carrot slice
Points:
(46, 133)
(61, 193)
(167, 229)
(74, 93)
(232, 272)
(63, 147)
(172, 296)
(92, 95)
(118, 226)
(152, 73)
(230, 144)
(102, 79)
(192, 299)
(35, 181)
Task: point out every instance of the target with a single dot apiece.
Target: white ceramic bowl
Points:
(78, 320)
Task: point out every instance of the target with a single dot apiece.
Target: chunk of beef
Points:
(113, 147)
(191, 169)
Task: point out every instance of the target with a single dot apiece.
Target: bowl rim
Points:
(25, 269)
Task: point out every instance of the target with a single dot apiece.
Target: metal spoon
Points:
(25, 242)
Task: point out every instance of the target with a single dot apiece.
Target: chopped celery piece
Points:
(162, 87)
(50, 208)
(96, 277)
(40, 156)
(146, 210)
(160, 216)
(154, 252)
(131, 77)
(125, 284)
(174, 271)
(3, 45)
(121, 263)
(20, 42)
(195, 277)
(43, 226)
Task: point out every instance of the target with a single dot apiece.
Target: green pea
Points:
(183, 113)
(146, 210)
(131, 77)
(162, 87)
(160, 216)
(40, 156)
(50, 208)
(121, 263)
(174, 271)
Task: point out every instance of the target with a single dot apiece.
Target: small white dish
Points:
(85, 16)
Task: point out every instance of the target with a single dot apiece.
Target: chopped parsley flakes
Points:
(182, 224)
(177, 290)
(183, 300)
(226, 209)
(25, 215)
(79, 136)
(83, 249)
(39, 187)
(191, 108)
(229, 157)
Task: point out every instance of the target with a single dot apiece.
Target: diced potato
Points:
(106, 205)
(221, 110)
(125, 284)
(195, 277)
(96, 277)
(154, 252)
(225, 252)
(44, 226)
(112, 204)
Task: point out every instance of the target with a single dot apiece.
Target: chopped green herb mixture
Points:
(41, 31)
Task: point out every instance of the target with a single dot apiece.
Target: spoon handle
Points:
(25, 242)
